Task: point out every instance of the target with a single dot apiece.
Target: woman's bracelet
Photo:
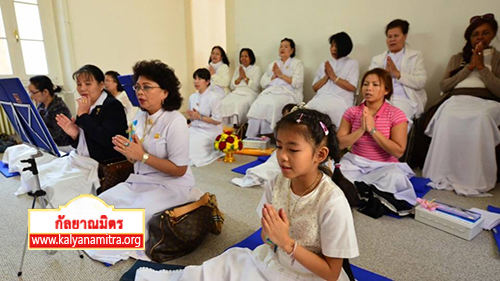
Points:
(336, 80)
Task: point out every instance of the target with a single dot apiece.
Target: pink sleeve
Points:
(349, 114)
(398, 117)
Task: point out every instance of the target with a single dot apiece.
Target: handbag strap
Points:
(180, 211)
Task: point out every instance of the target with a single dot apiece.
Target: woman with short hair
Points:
(336, 80)
(407, 69)
(245, 87)
(282, 83)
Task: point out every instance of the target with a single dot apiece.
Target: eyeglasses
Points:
(145, 88)
(33, 93)
(485, 16)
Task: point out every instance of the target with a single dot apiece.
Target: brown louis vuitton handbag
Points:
(113, 173)
(177, 231)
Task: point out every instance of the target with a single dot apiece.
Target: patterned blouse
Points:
(57, 106)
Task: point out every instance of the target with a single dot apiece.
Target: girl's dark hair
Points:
(165, 77)
(343, 42)
(385, 78)
(42, 82)
(250, 54)
(292, 45)
(287, 108)
(404, 25)
(467, 49)
(312, 131)
(223, 54)
(113, 74)
(202, 73)
(92, 71)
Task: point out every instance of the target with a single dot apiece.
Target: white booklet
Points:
(490, 219)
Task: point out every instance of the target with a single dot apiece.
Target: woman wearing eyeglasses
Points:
(218, 66)
(205, 115)
(99, 117)
(159, 147)
(407, 69)
(464, 129)
(49, 105)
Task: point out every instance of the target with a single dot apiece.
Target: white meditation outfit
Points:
(320, 221)
(413, 79)
(266, 109)
(165, 136)
(202, 134)
(331, 99)
(221, 78)
(236, 104)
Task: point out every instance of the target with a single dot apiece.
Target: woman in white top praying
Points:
(218, 65)
(205, 116)
(116, 89)
(245, 87)
(282, 83)
(465, 128)
(407, 69)
(336, 80)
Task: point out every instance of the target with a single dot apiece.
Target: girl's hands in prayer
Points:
(68, 125)
(133, 150)
(83, 105)
(276, 226)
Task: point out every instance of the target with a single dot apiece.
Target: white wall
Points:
(436, 29)
(114, 34)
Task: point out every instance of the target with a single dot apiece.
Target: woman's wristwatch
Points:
(372, 131)
(145, 158)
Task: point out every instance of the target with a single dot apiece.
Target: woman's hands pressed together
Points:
(133, 150)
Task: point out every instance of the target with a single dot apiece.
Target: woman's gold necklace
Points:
(146, 125)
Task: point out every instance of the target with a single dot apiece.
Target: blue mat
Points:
(243, 169)
(4, 169)
(495, 230)
(360, 274)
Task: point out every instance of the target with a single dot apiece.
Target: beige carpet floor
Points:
(401, 249)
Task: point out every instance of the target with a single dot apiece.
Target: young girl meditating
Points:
(306, 219)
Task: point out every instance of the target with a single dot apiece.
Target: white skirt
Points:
(201, 146)
(269, 104)
(63, 178)
(235, 106)
(392, 177)
(330, 104)
(461, 156)
(14, 154)
(261, 264)
(261, 174)
(142, 192)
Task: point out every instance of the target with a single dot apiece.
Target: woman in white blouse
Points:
(336, 80)
(218, 65)
(407, 69)
(116, 89)
(282, 83)
(245, 87)
(205, 116)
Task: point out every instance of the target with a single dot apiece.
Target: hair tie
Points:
(337, 165)
(325, 129)
(301, 105)
(300, 118)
